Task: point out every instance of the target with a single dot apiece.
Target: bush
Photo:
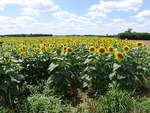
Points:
(96, 73)
(134, 36)
(132, 73)
(10, 81)
(115, 101)
(65, 75)
(39, 72)
(145, 105)
(43, 104)
(5, 110)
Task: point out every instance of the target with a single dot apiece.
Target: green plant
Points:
(145, 106)
(5, 110)
(131, 74)
(96, 72)
(134, 36)
(39, 65)
(43, 104)
(10, 81)
(65, 75)
(115, 101)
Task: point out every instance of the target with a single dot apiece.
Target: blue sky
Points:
(74, 16)
(77, 6)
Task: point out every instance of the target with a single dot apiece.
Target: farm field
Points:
(146, 42)
(74, 75)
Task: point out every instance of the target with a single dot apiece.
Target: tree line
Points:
(125, 35)
(26, 35)
(134, 36)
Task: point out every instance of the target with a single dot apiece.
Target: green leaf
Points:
(87, 61)
(116, 66)
(4, 86)
(121, 77)
(52, 67)
(112, 75)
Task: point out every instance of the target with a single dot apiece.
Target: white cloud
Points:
(39, 6)
(32, 7)
(104, 7)
(16, 25)
(65, 16)
(142, 16)
(96, 14)
(79, 25)
(118, 20)
(69, 23)
(61, 15)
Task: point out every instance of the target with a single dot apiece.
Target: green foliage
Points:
(96, 72)
(134, 36)
(145, 106)
(56, 72)
(132, 73)
(43, 104)
(39, 65)
(10, 81)
(5, 110)
(27, 35)
(115, 101)
(65, 74)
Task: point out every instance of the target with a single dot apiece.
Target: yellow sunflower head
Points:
(111, 49)
(47, 49)
(21, 54)
(61, 45)
(102, 45)
(126, 49)
(35, 49)
(119, 56)
(42, 46)
(50, 45)
(92, 49)
(101, 50)
(139, 44)
(69, 50)
(64, 48)
(22, 48)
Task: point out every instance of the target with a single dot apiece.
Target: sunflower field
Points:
(62, 68)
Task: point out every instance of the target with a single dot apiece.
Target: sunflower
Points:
(119, 56)
(111, 49)
(47, 49)
(69, 50)
(21, 54)
(35, 49)
(22, 48)
(42, 46)
(101, 50)
(126, 49)
(139, 44)
(92, 49)
(61, 45)
(50, 45)
(64, 48)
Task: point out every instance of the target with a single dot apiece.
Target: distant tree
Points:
(134, 36)
(129, 30)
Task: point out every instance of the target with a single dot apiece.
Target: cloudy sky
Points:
(74, 16)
